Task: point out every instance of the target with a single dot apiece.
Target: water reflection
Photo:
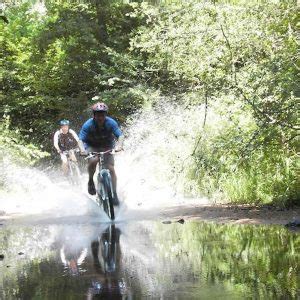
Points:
(150, 260)
(108, 282)
(73, 264)
(73, 248)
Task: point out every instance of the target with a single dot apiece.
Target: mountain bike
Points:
(74, 174)
(106, 252)
(104, 187)
(109, 249)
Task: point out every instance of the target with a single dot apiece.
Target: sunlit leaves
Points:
(12, 146)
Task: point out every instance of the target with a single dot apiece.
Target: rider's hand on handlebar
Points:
(118, 149)
(83, 153)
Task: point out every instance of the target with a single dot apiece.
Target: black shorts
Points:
(108, 158)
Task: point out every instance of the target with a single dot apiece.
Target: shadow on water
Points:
(150, 260)
(108, 282)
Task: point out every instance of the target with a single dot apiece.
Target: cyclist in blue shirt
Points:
(100, 134)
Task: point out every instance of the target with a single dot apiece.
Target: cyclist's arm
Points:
(84, 131)
(118, 134)
(74, 135)
(55, 141)
(120, 142)
(81, 147)
(83, 134)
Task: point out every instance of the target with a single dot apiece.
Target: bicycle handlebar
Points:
(93, 154)
(104, 152)
(76, 150)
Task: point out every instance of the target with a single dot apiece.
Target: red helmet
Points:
(100, 107)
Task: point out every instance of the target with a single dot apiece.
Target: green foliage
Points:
(227, 49)
(13, 147)
(226, 165)
(244, 259)
(266, 177)
(238, 58)
(55, 63)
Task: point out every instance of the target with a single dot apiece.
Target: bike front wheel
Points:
(107, 196)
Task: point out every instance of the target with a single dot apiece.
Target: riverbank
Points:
(229, 214)
(235, 214)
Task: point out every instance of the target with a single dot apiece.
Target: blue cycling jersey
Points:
(100, 137)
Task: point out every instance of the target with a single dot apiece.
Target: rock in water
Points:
(166, 222)
(295, 223)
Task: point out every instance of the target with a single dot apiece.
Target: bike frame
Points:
(102, 173)
(72, 165)
(108, 249)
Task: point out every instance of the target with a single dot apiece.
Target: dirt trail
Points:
(236, 214)
(233, 214)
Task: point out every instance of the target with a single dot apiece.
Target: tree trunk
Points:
(101, 11)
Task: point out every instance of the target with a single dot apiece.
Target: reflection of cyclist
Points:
(99, 134)
(106, 255)
(65, 139)
(72, 264)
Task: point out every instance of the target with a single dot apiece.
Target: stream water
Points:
(59, 247)
(87, 259)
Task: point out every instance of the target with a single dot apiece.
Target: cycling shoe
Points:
(91, 188)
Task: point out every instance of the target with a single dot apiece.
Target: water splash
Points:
(159, 142)
(31, 191)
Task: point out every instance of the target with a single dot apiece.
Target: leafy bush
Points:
(13, 147)
(238, 59)
(227, 70)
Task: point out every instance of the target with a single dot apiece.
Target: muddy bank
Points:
(239, 214)
(234, 214)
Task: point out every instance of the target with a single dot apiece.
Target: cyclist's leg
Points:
(92, 164)
(64, 163)
(91, 170)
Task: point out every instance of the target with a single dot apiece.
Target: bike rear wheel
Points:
(74, 174)
(107, 196)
